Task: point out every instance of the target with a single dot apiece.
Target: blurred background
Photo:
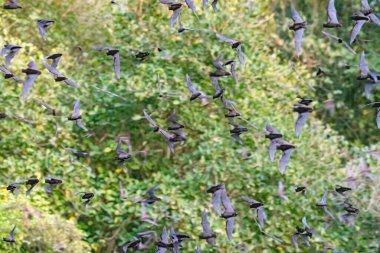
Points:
(339, 141)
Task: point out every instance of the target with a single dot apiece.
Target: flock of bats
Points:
(174, 134)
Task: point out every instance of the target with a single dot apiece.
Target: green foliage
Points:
(36, 229)
(266, 91)
(351, 118)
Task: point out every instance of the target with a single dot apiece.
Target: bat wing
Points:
(174, 17)
(190, 4)
(356, 29)
(365, 4)
(216, 202)
(150, 120)
(42, 30)
(240, 56)
(347, 46)
(378, 119)
(27, 85)
(233, 72)
(374, 19)
(304, 222)
(328, 213)
(71, 83)
(305, 239)
(225, 39)
(295, 15)
(166, 134)
(213, 4)
(284, 161)
(324, 199)
(330, 36)
(46, 106)
(301, 121)
(116, 65)
(248, 200)
(272, 149)
(164, 235)
(9, 58)
(364, 69)
(204, 3)
(216, 85)
(226, 201)
(295, 240)
(205, 223)
(261, 217)
(230, 227)
(12, 233)
(331, 11)
(80, 124)
(298, 40)
(368, 87)
(52, 70)
(55, 62)
(76, 110)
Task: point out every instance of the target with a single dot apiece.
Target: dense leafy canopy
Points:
(267, 88)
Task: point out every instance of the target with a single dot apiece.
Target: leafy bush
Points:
(265, 93)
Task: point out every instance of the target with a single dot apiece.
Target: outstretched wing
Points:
(190, 85)
(295, 240)
(226, 201)
(295, 15)
(175, 15)
(150, 120)
(190, 4)
(205, 223)
(272, 149)
(215, 83)
(356, 29)
(230, 227)
(304, 222)
(225, 39)
(12, 233)
(326, 211)
(27, 85)
(233, 72)
(378, 119)
(42, 30)
(261, 216)
(331, 12)
(347, 46)
(52, 70)
(71, 83)
(76, 110)
(164, 235)
(166, 134)
(284, 161)
(216, 202)
(365, 5)
(330, 36)
(80, 124)
(248, 200)
(364, 69)
(324, 198)
(213, 4)
(374, 19)
(9, 58)
(298, 41)
(301, 121)
(241, 56)
(116, 65)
